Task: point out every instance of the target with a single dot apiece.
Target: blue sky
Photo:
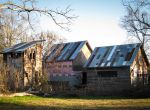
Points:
(98, 21)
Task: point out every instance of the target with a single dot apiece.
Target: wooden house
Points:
(25, 61)
(114, 69)
(65, 62)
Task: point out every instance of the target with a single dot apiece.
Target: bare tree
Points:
(29, 7)
(12, 29)
(137, 21)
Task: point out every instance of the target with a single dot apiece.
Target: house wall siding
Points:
(107, 86)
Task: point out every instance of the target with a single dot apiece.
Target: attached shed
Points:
(65, 62)
(26, 60)
(117, 68)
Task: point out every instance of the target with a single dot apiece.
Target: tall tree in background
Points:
(15, 14)
(12, 29)
(60, 17)
(137, 21)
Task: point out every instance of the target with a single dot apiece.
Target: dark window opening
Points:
(84, 78)
(17, 55)
(34, 56)
(30, 57)
(5, 58)
(107, 73)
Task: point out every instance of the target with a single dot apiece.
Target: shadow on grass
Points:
(94, 97)
(10, 106)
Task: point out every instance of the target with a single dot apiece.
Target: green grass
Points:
(102, 103)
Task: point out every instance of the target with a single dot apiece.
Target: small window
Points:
(107, 73)
(30, 57)
(34, 55)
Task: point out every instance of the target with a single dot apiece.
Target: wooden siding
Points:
(108, 85)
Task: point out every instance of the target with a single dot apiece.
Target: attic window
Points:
(107, 73)
(34, 55)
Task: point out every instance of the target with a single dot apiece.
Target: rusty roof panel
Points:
(113, 56)
(69, 52)
(21, 47)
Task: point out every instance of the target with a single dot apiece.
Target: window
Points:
(107, 73)
(30, 57)
(34, 56)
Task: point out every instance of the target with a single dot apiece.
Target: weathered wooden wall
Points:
(108, 85)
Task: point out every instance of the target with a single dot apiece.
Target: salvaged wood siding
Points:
(98, 85)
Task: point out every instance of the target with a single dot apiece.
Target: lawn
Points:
(100, 103)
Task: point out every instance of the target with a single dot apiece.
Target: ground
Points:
(62, 103)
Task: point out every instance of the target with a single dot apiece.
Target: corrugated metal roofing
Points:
(65, 51)
(21, 47)
(113, 56)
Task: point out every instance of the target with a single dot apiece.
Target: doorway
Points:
(84, 78)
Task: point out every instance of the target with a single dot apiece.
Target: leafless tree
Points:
(29, 7)
(12, 29)
(137, 21)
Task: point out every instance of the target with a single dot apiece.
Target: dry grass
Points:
(39, 103)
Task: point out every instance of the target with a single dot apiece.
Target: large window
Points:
(107, 73)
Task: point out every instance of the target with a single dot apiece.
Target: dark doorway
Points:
(84, 77)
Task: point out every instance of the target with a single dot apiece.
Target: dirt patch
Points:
(17, 94)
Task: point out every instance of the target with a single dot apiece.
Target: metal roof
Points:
(66, 51)
(113, 56)
(21, 47)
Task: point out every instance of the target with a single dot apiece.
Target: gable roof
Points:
(21, 47)
(113, 56)
(66, 51)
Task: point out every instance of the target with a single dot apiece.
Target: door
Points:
(84, 78)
